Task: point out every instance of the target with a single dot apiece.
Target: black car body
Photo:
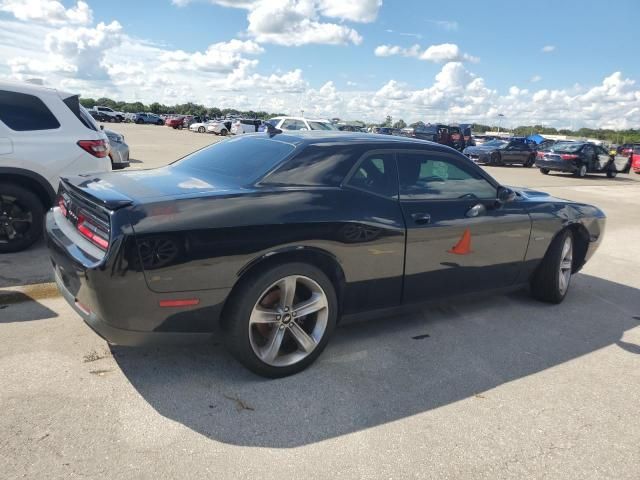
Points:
(580, 158)
(449, 135)
(503, 152)
(389, 221)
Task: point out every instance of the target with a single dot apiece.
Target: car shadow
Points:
(18, 307)
(378, 371)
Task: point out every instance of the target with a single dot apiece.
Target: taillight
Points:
(62, 206)
(97, 148)
(93, 232)
(569, 156)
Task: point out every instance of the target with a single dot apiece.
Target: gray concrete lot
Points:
(502, 387)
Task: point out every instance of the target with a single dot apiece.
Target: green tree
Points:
(400, 124)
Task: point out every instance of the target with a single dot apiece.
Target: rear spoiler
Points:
(97, 190)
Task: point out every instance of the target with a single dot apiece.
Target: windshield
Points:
(320, 125)
(244, 158)
(495, 143)
(567, 147)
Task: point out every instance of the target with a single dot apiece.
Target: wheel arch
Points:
(580, 236)
(32, 181)
(319, 258)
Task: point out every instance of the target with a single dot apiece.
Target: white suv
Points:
(300, 123)
(44, 134)
(241, 126)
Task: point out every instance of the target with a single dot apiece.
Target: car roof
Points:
(32, 88)
(302, 118)
(311, 137)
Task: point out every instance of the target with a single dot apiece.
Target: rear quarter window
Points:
(22, 112)
(316, 165)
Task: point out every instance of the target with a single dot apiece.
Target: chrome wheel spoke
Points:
(306, 343)
(287, 288)
(565, 264)
(264, 315)
(315, 303)
(272, 349)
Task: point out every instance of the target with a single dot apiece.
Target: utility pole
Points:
(499, 121)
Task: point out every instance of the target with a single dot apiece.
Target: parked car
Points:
(383, 130)
(44, 133)
(175, 122)
(580, 158)
(274, 237)
(482, 139)
(503, 152)
(439, 133)
(244, 125)
(299, 123)
(108, 112)
(219, 127)
(142, 117)
(99, 116)
(635, 158)
(118, 151)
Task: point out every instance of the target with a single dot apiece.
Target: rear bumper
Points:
(120, 336)
(561, 165)
(112, 297)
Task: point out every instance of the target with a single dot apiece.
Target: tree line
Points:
(180, 109)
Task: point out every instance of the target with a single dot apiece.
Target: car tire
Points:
(23, 212)
(139, 122)
(179, 127)
(495, 159)
(224, 132)
(582, 171)
(612, 173)
(201, 129)
(552, 279)
(159, 122)
(272, 341)
(530, 161)
(544, 171)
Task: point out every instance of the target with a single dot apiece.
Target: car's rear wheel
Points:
(224, 132)
(201, 129)
(551, 281)
(581, 171)
(159, 122)
(179, 127)
(139, 121)
(544, 171)
(278, 321)
(530, 161)
(21, 218)
(612, 173)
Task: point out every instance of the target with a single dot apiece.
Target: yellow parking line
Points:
(27, 293)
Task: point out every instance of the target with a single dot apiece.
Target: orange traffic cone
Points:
(463, 247)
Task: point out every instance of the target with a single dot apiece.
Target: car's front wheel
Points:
(224, 132)
(612, 173)
(21, 218)
(544, 171)
(201, 129)
(551, 281)
(278, 321)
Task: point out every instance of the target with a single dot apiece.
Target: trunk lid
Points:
(115, 190)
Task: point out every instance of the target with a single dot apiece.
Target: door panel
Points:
(452, 253)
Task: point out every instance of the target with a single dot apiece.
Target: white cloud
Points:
(301, 22)
(294, 23)
(535, 79)
(448, 25)
(222, 57)
(445, 52)
(49, 12)
(548, 48)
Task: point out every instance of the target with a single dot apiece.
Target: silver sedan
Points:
(119, 152)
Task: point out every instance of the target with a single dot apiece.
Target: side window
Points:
(432, 176)
(376, 174)
(293, 125)
(22, 112)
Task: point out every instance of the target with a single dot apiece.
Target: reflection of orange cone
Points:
(463, 247)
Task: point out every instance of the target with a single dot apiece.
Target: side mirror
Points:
(506, 195)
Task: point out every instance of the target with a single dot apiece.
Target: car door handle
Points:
(421, 218)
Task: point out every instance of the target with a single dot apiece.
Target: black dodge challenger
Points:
(268, 239)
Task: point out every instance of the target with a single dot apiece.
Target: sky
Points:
(566, 64)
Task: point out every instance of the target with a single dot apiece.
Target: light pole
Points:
(499, 121)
